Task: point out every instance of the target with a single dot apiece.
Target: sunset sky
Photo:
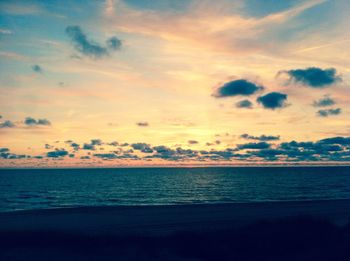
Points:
(160, 82)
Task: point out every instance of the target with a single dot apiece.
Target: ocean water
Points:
(55, 188)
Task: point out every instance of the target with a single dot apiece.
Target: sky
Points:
(170, 83)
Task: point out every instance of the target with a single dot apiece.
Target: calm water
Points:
(52, 188)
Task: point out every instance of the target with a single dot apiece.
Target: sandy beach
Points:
(163, 220)
(129, 225)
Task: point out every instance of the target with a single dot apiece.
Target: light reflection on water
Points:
(32, 189)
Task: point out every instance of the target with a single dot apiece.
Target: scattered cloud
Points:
(113, 143)
(240, 87)
(7, 124)
(254, 145)
(324, 102)
(142, 124)
(37, 69)
(143, 147)
(96, 142)
(6, 154)
(88, 47)
(75, 146)
(88, 146)
(273, 100)
(29, 121)
(260, 138)
(114, 43)
(329, 112)
(328, 149)
(192, 142)
(57, 153)
(244, 104)
(314, 77)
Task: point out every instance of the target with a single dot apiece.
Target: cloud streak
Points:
(329, 112)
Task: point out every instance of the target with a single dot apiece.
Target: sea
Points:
(26, 189)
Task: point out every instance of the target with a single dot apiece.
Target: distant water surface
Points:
(53, 188)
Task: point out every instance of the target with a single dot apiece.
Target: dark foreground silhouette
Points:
(297, 238)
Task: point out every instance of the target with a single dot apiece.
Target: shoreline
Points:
(165, 219)
(111, 207)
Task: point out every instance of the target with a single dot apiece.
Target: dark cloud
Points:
(237, 87)
(5, 154)
(113, 143)
(2, 150)
(336, 140)
(57, 153)
(260, 138)
(44, 122)
(164, 152)
(90, 48)
(254, 145)
(7, 124)
(83, 45)
(273, 100)
(192, 142)
(267, 154)
(36, 68)
(142, 124)
(88, 146)
(75, 146)
(324, 102)
(178, 154)
(314, 77)
(331, 149)
(143, 147)
(110, 156)
(329, 112)
(96, 142)
(114, 43)
(244, 104)
(33, 122)
(328, 149)
(30, 121)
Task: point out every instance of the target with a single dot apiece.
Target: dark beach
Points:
(302, 230)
